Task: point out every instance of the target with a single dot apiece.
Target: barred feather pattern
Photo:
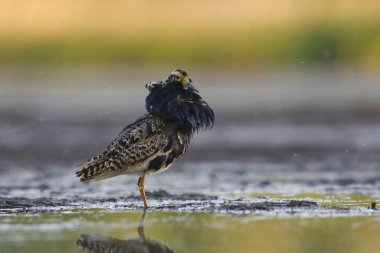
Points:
(130, 152)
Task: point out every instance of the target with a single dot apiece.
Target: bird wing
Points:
(136, 144)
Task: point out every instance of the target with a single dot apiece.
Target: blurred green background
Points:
(231, 33)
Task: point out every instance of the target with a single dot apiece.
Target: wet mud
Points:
(183, 203)
(169, 202)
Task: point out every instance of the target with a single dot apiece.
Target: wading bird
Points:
(154, 141)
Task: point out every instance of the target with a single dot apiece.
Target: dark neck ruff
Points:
(184, 108)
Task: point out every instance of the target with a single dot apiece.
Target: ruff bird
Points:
(154, 141)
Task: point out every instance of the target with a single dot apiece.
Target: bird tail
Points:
(100, 168)
(89, 170)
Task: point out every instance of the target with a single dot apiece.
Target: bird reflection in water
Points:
(94, 243)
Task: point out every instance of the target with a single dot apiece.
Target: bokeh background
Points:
(208, 33)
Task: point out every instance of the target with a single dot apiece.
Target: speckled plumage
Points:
(149, 144)
(154, 141)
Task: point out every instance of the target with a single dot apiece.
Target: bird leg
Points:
(140, 184)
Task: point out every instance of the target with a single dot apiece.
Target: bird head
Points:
(178, 101)
(181, 77)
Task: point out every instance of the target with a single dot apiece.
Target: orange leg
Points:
(140, 184)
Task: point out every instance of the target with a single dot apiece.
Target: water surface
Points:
(76, 232)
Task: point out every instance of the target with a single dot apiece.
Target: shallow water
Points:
(95, 232)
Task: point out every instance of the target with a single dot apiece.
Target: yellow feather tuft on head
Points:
(182, 75)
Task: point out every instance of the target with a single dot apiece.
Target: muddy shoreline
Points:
(182, 203)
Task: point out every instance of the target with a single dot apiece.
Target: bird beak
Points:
(191, 87)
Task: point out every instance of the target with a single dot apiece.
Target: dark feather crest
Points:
(185, 108)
